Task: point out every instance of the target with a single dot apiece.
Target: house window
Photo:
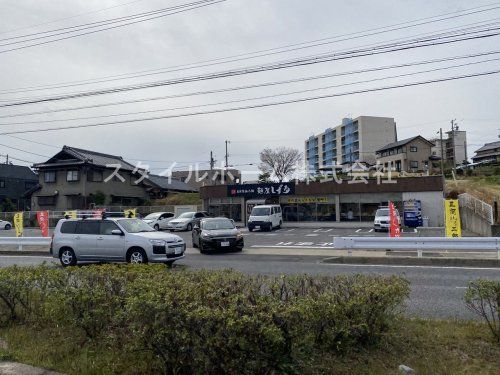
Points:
(47, 201)
(2, 183)
(49, 176)
(413, 148)
(71, 176)
(95, 176)
(414, 164)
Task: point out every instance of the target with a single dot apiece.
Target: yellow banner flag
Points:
(130, 213)
(18, 223)
(70, 215)
(452, 218)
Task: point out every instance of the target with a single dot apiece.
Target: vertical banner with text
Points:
(70, 215)
(130, 213)
(18, 224)
(394, 230)
(43, 221)
(452, 218)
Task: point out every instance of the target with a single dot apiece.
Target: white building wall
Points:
(432, 205)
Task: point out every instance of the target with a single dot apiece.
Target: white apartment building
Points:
(354, 140)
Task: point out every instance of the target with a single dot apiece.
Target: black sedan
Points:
(219, 233)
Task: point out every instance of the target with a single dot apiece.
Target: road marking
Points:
(312, 235)
(408, 266)
(320, 230)
(461, 287)
(292, 245)
(358, 230)
(371, 230)
(26, 256)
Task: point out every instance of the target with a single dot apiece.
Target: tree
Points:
(280, 162)
(264, 177)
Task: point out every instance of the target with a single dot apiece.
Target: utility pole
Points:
(212, 160)
(7, 159)
(227, 155)
(212, 164)
(453, 124)
(442, 154)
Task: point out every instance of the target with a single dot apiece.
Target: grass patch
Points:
(484, 188)
(428, 346)
(179, 199)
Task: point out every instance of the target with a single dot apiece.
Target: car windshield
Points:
(260, 211)
(186, 215)
(135, 226)
(382, 212)
(153, 216)
(218, 224)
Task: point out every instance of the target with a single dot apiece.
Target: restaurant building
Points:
(327, 201)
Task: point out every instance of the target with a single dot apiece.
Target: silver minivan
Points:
(113, 240)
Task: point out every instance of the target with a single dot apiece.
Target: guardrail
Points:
(418, 243)
(25, 241)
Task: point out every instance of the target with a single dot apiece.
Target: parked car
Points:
(382, 219)
(159, 220)
(186, 221)
(219, 233)
(265, 217)
(5, 225)
(113, 240)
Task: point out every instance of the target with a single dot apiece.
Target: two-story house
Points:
(76, 179)
(15, 183)
(408, 155)
(489, 153)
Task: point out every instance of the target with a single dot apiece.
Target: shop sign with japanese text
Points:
(261, 190)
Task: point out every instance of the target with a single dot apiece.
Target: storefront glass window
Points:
(306, 211)
(231, 211)
(326, 212)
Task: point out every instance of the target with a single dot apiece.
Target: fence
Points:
(468, 244)
(30, 216)
(476, 215)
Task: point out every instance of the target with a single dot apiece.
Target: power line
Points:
(92, 24)
(67, 18)
(264, 84)
(308, 44)
(433, 41)
(252, 98)
(186, 8)
(262, 105)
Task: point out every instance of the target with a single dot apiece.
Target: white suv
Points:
(113, 240)
(265, 217)
(382, 219)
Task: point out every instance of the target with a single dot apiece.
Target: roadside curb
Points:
(407, 261)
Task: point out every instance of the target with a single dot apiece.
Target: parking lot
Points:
(315, 237)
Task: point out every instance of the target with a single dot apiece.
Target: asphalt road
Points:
(436, 292)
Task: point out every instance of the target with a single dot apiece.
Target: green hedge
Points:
(204, 321)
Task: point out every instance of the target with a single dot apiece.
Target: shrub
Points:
(483, 298)
(205, 321)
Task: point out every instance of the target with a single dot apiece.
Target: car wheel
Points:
(279, 225)
(195, 245)
(250, 229)
(170, 263)
(8, 226)
(189, 227)
(200, 246)
(157, 227)
(137, 256)
(67, 257)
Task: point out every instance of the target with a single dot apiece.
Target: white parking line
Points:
(320, 230)
(358, 230)
(371, 230)
(312, 235)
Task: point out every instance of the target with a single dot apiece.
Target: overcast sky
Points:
(230, 28)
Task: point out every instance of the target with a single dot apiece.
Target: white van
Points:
(265, 217)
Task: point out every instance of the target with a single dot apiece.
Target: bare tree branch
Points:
(280, 162)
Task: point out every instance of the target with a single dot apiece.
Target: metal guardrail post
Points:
(419, 253)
